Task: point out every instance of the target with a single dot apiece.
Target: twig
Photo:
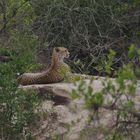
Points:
(134, 113)
(5, 20)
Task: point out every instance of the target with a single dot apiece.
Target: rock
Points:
(68, 119)
(59, 92)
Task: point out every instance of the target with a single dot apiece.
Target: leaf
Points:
(131, 89)
(132, 51)
(99, 98)
(129, 104)
(74, 94)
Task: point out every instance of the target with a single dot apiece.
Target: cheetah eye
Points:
(56, 49)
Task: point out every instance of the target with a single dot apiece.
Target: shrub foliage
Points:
(89, 28)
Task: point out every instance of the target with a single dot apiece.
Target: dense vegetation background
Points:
(88, 28)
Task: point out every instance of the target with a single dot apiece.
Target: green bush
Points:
(89, 29)
(16, 106)
(120, 99)
(17, 42)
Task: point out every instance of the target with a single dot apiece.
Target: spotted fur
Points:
(52, 75)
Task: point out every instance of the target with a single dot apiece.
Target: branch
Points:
(5, 59)
(5, 20)
(133, 112)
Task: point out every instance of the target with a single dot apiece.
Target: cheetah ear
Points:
(57, 49)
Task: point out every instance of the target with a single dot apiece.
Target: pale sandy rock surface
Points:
(70, 121)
